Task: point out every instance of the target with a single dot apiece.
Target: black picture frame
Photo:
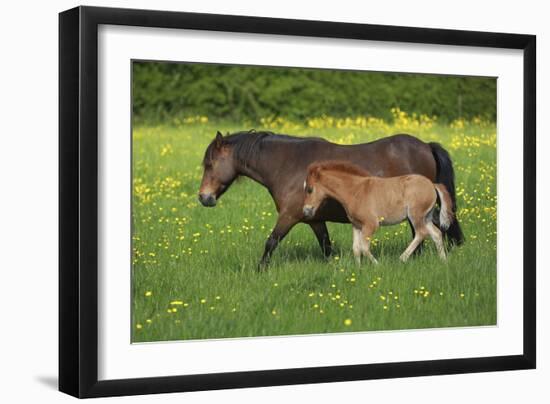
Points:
(78, 201)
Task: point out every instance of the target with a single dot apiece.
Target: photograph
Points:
(271, 201)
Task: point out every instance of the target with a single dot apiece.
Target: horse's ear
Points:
(219, 139)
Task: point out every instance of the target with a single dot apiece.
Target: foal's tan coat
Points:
(371, 202)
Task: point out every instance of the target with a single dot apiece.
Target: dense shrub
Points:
(166, 90)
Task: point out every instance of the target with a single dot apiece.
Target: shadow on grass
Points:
(310, 254)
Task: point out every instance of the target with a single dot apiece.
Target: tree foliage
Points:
(167, 90)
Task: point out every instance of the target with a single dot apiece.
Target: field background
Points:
(193, 268)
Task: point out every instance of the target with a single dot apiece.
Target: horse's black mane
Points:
(248, 145)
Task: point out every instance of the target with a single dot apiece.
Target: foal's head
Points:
(219, 171)
(314, 190)
(320, 175)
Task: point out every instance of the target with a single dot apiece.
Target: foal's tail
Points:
(446, 215)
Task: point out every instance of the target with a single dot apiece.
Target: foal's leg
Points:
(418, 238)
(283, 226)
(357, 245)
(367, 232)
(437, 237)
(321, 232)
(420, 231)
(419, 249)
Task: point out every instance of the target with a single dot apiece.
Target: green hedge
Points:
(166, 90)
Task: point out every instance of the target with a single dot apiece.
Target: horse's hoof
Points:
(262, 267)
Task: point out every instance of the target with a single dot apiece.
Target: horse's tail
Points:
(446, 176)
(446, 215)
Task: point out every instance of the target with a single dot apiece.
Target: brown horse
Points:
(279, 162)
(371, 202)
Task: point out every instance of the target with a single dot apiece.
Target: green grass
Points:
(202, 262)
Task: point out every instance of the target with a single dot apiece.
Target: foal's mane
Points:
(336, 165)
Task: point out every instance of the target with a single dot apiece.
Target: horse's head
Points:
(315, 192)
(219, 171)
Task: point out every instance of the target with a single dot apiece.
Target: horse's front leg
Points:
(282, 227)
(321, 232)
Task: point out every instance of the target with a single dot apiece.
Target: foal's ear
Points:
(219, 139)
(314, 173)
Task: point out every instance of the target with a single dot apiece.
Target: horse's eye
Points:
(309, 190)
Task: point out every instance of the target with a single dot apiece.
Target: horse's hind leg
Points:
(437, 237)
(321, 232)
(454, 233)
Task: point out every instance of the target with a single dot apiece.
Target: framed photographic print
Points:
(251, 201)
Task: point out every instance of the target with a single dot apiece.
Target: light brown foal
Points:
(371, 202)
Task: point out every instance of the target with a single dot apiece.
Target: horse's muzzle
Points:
(207, 200)
(309, 211)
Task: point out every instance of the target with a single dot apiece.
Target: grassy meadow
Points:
(194, 268)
